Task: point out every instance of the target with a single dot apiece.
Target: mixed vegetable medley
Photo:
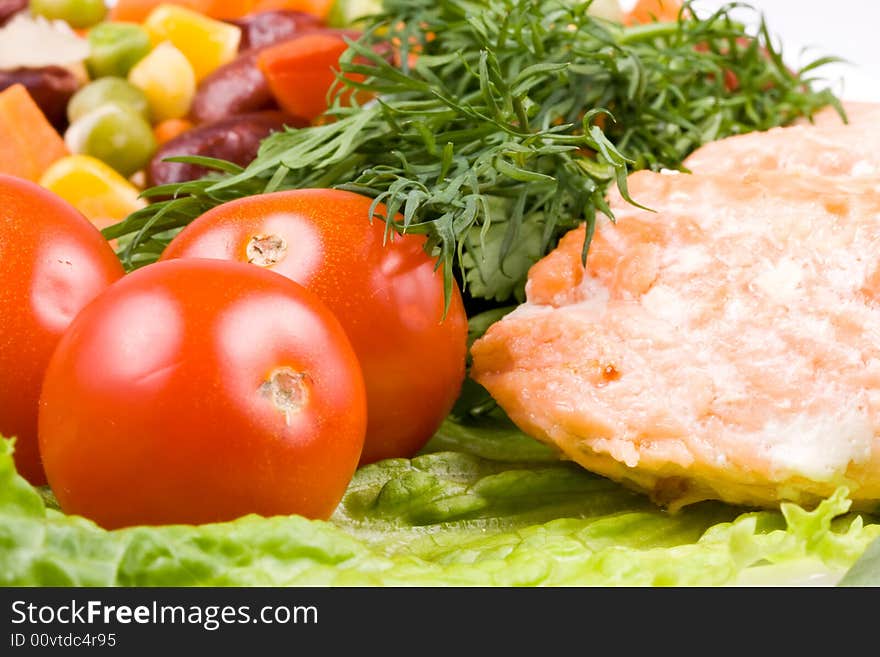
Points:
(245, 245)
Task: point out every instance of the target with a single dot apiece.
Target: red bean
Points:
(240, 86)
(235, 88)
(268, 27)
(8, 8)
(235, 139)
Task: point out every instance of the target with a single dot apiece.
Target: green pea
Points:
(107, 91)
(114, 48)
(77, 13)
(116, 135)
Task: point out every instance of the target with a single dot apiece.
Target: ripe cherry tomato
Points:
(198, 391)
(52, 263)
(387, 295)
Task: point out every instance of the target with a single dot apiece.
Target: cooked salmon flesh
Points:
(725, 346)
(827, 146)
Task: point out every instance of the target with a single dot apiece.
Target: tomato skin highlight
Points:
(53, 262)
(200, 391)
(389, 299)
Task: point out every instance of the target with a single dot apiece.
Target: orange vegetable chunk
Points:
(301, 71)
(319, 8)
(28, 142)
(136, 11)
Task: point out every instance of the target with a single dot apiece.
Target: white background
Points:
(847, 28)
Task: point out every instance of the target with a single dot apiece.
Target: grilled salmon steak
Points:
(726, 346)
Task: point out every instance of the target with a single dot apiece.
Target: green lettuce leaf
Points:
(866, 571)
(483, 505)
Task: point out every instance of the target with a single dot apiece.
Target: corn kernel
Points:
(93, 188)
(205, 42)
(167, 79)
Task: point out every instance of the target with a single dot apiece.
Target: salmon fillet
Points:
(726, 346)
(828, 147)
(858, 114)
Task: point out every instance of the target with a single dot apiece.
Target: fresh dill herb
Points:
(498, 125)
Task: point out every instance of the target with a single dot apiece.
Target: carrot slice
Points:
(300, 71)
(28, 142)
(136, 11)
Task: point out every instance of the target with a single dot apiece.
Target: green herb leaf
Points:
(534, 101)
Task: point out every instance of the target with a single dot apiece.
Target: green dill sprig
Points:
(495, 126)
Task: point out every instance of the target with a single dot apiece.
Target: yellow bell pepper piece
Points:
(167, 79)
(206, 43)
(93, 188)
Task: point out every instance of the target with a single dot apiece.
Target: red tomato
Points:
(198, 391)
(389, 299)
(52, 263)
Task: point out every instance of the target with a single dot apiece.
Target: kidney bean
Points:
(8, 9)
(268, 27)
(235, 88)
(235, 139)
(50, 86)
(239, 86)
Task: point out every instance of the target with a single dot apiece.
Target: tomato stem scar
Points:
(287, 390)
(266, 250)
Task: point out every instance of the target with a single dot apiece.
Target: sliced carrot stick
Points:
(300, 71)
